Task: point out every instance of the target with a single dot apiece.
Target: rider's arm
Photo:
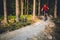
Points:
(47, 7)
(42, 9)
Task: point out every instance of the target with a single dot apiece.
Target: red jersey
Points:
(45, 7)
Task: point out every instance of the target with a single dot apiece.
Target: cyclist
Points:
(45, 9)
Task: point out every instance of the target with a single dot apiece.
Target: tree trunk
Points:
(38, 8)
(27, 7)
(17, 11)
(55, 10)
(21, 7)
(5, 12)
(34, 6)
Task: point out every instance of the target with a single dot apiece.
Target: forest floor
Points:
(31, 32)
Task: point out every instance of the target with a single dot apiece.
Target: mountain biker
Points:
(45, 9)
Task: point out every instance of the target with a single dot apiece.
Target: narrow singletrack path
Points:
(26, 32)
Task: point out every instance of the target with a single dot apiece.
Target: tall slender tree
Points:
(17, 10)
(5, 11)
(27, 7)
(55, 9)
(21, 7)
(38, 8)
(34, 7)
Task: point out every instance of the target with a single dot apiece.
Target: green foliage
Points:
(1, 18)
(29, 17)
(21, 17)
(10, 17)
(13, 25)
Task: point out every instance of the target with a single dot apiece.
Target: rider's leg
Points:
(45, 16)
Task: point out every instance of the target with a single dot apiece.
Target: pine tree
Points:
(55, 9)
(34, 7)
(21, 7)
(5, 11)
(17, 10)
(38, 8)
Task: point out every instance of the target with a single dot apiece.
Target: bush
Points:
(3, 29)
(12, 25)
(22, 17)
(29, 17)
(1, 18)
(11, 17)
